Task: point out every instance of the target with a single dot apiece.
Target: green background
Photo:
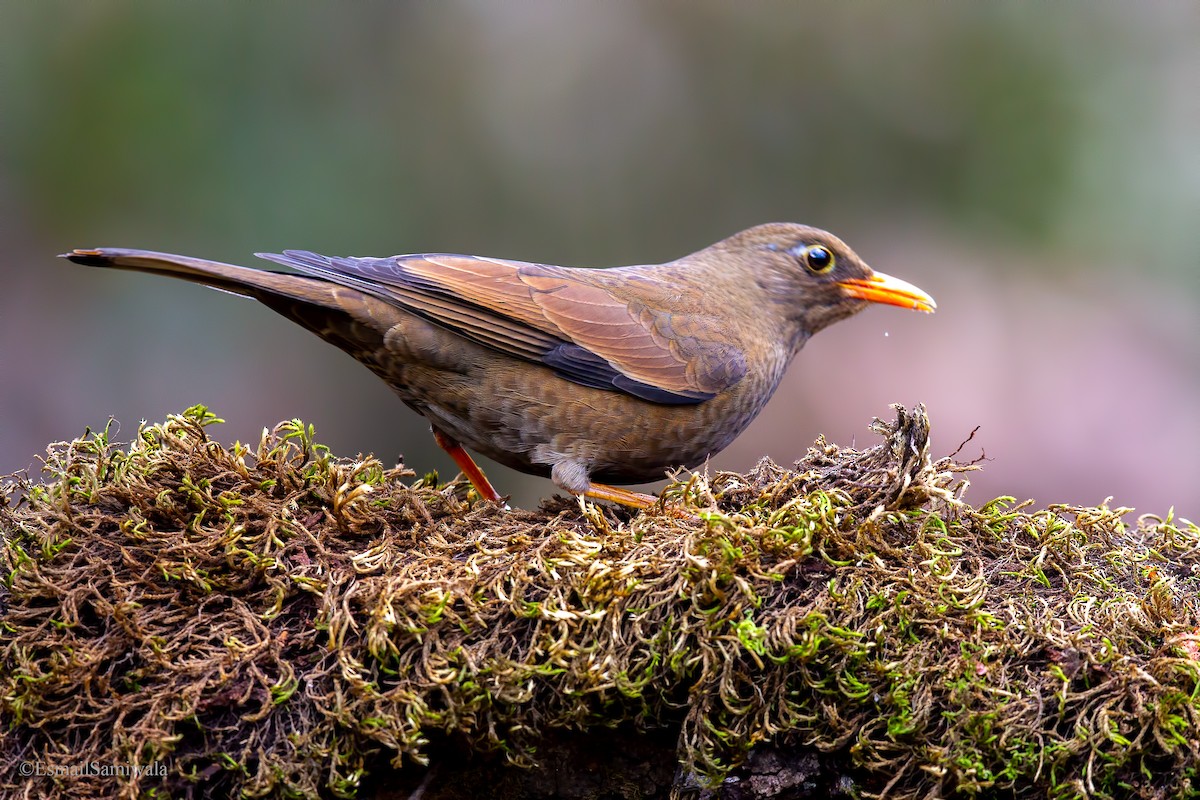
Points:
(1035, 167)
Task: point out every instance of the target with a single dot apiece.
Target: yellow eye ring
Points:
(818, 259)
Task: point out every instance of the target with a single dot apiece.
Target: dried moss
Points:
(282, 622)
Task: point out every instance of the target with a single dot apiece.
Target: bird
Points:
(593, 377)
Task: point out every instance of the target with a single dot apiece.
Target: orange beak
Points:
(880, 288)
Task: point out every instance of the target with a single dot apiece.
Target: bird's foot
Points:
(600, 491)
(612, 494)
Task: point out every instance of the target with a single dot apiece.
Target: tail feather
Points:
(348, 318)
(257, 283)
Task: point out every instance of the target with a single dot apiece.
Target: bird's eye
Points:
(818, 258)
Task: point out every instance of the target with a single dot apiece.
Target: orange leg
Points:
(624, 497)
(468, 466)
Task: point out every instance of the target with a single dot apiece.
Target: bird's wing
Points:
(594, 334)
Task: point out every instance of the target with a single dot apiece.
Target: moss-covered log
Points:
(285, 623)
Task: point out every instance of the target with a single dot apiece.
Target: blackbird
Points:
(588, 376)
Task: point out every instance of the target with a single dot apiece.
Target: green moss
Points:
(281, 622)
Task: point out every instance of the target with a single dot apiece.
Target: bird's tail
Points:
(345, 316)
(260, 284)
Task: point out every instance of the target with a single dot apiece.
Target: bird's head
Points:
(815, 277)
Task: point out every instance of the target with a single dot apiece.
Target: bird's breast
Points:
(527, 418)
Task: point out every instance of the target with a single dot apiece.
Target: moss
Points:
(286, 623)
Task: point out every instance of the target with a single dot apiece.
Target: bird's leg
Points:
(572, 475)
(468, 466)
(624, 497)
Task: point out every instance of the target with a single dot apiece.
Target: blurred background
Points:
(1035, 167)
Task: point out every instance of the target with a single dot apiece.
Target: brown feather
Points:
(566, 319)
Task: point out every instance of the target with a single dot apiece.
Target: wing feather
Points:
(579, 323)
